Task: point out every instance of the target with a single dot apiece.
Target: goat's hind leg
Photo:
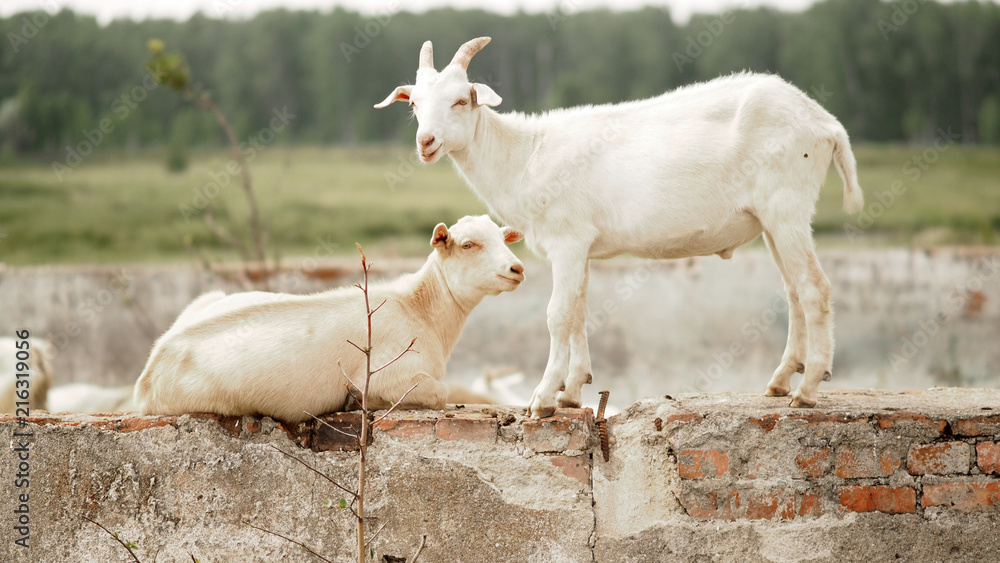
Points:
(793, 360)
(794, 245)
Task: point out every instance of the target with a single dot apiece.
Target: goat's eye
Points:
(467, 245)
(461, 102)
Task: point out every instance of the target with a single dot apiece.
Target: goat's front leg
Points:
(580, 372)
(569, 275)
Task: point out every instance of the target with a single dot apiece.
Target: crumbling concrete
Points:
(866, 476)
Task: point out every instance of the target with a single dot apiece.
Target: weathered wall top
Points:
(869, 475)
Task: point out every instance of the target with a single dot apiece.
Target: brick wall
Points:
(810, 464)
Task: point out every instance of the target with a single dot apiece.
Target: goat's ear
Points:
(400, 94)
(441, 237)
(484, 95)
(511, 235)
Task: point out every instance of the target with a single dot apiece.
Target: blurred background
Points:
(122, 198)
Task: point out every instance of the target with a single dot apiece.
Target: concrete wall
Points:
(866, 476)
(906, 319)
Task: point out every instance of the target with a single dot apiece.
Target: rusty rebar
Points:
(602, 426)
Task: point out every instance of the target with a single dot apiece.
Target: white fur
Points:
(39, 374)
(697, 171)
(276, 354)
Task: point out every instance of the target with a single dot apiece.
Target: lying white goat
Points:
(276, 354)
(35, 386)
(694, 172)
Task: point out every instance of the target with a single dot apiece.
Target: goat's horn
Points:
(467, 51)
(427, 55)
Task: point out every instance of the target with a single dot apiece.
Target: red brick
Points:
(406, 428)
(135, 423)
(988, 457)
(811, 504)
(939, 459)
(684, 418)
(932, 428)
(568, 429)
(891, 500)
(814, 462)
(857, 499)
(977, 426)
(468, 429)
(711, 504)
(894, 500)
(767, 423)
(964, 497)
(702, 464)
(575, 467)
(761, 505)
(854, 463)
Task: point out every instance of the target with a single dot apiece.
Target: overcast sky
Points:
(107, 10)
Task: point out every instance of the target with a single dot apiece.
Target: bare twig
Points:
(392, 361)
(396, 404)
(117, 539)
(360, 349)
(379, 306)
(423, 539)
(379, 531)
(286, 538)
(316, 471)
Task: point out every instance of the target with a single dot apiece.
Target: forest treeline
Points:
(901, 71)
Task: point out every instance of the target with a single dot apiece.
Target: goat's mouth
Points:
(430, 156)
(515, 281)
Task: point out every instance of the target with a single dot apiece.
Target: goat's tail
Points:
(843, 159)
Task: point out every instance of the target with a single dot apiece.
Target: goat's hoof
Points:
(569, 403)
(540, 411)
(776, 391)
(799, 401)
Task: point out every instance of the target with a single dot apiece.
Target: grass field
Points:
(125, 209)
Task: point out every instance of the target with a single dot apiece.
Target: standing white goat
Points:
(276, 354)
(697, 171)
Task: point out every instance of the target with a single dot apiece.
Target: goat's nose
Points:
(426, 141)
(517, 269)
